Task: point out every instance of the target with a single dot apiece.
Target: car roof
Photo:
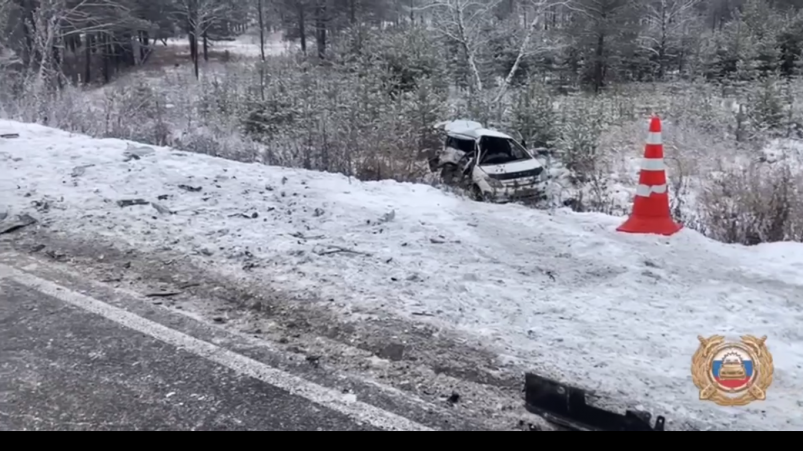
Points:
(469, 130)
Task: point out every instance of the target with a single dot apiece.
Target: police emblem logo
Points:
(732, 373)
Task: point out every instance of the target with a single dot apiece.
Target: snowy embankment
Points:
(562, 294)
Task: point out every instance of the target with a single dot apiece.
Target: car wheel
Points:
(477, 194)
(449, 174)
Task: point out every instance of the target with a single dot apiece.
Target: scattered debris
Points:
(318, 212)
(136, 152)
(243, 215)
(38, 248)
(387, 217)
(191, 189)
(163, 294)
(284, 180)
(454, 398)
(19, 222)
(314, 360)
(301, 236)
(42, 206)
(10, 135)
(187, 286)
(219, 320)
(163, 197)
(436, 241)
(566, 406)
(161, 209)
(338, 250)
(393, 352)
(56, 255)
(78, 171)
(132, 202)
(425, 314)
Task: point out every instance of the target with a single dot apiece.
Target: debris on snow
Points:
(17, 223)
(162, 209)
(338, 250)
(135, 152)
(191, 189)
(301, 236)
(393, 352)
(9, 135)
(131, 202)
(387, 217)
(163, 294)
(80, 170)
(55, 255)
(314, 360)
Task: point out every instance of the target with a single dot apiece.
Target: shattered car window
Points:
(463, 145)
(500, 151)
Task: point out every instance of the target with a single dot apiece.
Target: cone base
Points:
(650, 225)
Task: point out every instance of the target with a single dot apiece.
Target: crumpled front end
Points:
(513, 187)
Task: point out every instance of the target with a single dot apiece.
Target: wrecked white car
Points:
(491, 165)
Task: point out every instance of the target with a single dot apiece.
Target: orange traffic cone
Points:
(651, 206)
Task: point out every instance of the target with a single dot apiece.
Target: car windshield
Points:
(497, 151)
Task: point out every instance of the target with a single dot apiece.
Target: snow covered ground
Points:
(246, 45)
(562, 294)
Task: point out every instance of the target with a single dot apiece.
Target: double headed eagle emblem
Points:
(703, 373)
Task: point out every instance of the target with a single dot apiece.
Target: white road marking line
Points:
(332, 399)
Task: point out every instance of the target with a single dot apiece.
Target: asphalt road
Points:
(65, 368)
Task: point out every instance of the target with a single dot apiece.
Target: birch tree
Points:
(668, 22)
(461, 22)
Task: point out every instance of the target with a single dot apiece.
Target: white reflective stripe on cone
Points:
(645, 190)
(654, 138)
(653, 164)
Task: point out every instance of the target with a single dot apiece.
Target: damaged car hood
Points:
(516, 167)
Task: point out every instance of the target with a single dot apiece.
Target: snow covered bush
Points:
(757, 204)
